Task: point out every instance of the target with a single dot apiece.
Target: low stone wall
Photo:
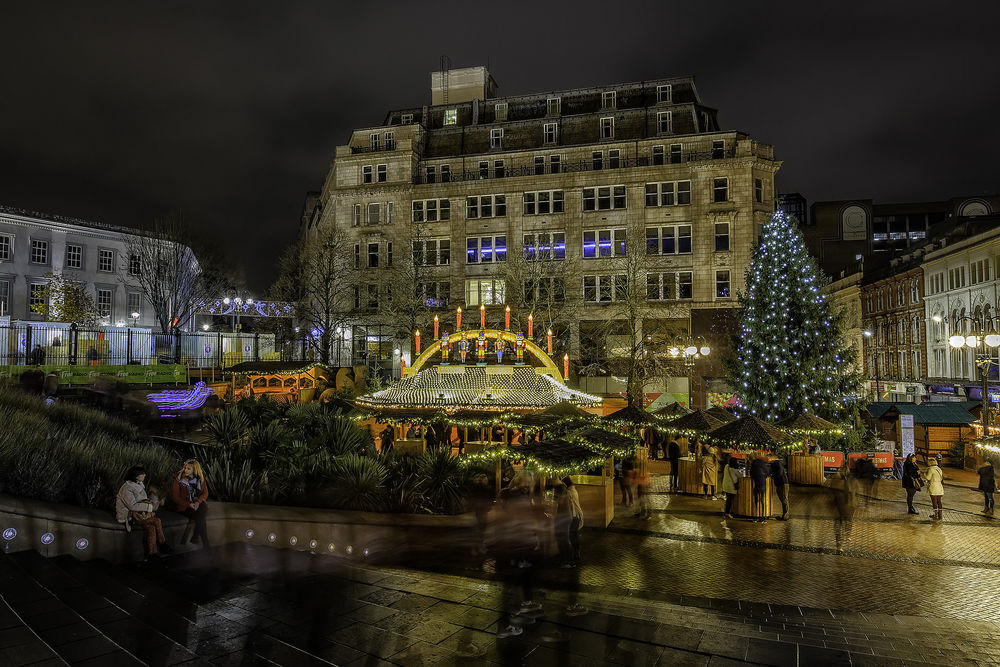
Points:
(53, 529)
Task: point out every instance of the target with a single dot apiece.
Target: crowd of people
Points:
(136, 505)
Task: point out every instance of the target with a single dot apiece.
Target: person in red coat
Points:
(190, 494)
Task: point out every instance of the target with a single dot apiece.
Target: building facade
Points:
(963, 296)
(35, 246)
(564, 197)
(840, 233)
(892, 311)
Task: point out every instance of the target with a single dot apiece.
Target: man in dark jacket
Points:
(674, 454)
(911, 481)
(780, 479)
(988, 485)
(759, 472)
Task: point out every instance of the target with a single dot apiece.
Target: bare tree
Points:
(164, 266)
(318, 275)
(415, 288)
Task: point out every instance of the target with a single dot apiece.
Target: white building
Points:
(35, 246)
(960, 285)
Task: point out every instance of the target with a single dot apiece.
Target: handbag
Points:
(918, 483)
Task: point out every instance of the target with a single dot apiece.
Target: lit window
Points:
(545, 246)
(604, 243)
(484, 291)
(450, 116)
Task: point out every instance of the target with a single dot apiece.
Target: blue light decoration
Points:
(48, 538)
(174, 400)
(82, 543)
(250, 533)
(9, 534)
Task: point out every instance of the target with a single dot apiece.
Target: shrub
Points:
(443, 481)
(358, 484)
(228, 428)
(234, 478)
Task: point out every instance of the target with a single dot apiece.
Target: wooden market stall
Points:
(753, 437)
(805, 468)
(280, 380)
(937, 426)
(688, 428)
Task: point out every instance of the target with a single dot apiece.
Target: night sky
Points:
(231, 111)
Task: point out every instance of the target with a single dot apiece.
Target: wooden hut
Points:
(936, 426)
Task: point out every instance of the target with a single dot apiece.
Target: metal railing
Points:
(56, 344)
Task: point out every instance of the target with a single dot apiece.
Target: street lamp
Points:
(687, 354)
(982, 342)
(135, 318)
(878, 385)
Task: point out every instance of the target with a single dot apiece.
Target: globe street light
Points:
(982, 342)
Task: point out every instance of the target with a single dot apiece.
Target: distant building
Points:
(793, 205)
(561, 178)
(35, 245)
(841, 233)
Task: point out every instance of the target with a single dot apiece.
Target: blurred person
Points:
(37, 356)
(627, 479)
(842, 487)
(643, 510)
(912, 481)
(576, 523)
(481, 500)
(988, 485)
(674, 454)
(386, 439)
(133, 506)
(780, 478)
(935, 485)
(731, 476)
(759, 472)
(190, 496)
(50, 386)
(709, 471)
(517, 554)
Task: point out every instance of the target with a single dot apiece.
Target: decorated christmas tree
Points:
(788, 353)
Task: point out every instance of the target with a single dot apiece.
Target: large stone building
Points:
(480, 191)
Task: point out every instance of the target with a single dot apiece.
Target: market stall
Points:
(751, 438)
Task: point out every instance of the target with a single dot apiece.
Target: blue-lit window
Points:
(604, 243)
(589, 245)
(545, 245)
(486, 249)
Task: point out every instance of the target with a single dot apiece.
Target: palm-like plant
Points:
(360, 484)
(228, 428)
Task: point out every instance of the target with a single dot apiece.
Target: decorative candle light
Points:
(458, 318)
(548, 338)
(566, 366)
(482, 316)
(436, 334)
(531, 325)
(506, 319)
(416, 335)
(402, 366)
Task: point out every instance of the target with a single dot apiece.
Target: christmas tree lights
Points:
(788, 354)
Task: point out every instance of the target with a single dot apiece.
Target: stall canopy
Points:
(630, 414)
(671, 411)
(558, 456)
(806, 422)
(696, 422)
(749, 431)
(722, 414)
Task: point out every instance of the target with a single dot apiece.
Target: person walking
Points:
(133, 506)
(844, 496)
(674, 454)
(935, 486)
(709, 471)
(627, 479)
(731, 476)
(780, 478)
(190, 495)
(643, 510)
(912, 481)
(759, 472)
(988, 485)
(576, 522)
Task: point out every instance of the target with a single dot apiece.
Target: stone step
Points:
(66, 632)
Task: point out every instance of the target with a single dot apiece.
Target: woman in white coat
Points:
(935, 485)
(133, 506)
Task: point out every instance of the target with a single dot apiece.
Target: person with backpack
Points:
(780, 478)
(912, 481)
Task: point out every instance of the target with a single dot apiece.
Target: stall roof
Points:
(272, 367)
(556, 452)
(925, 413)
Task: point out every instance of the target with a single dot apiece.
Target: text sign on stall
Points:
(833, 459)
(906, 434)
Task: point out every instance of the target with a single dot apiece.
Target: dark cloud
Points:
(231, 111)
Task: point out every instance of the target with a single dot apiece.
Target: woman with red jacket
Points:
(190, 494)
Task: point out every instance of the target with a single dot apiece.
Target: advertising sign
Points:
(906, 434)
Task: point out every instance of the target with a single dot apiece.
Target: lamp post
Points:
(868, 336)
(687, 352)
(980, 340)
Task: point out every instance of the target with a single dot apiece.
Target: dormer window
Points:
(609, 100)
(664, 94)
(451, 116)
(553, 106)
(496, 137)
(500, 111)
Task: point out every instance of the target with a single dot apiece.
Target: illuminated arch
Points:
(491, 334)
